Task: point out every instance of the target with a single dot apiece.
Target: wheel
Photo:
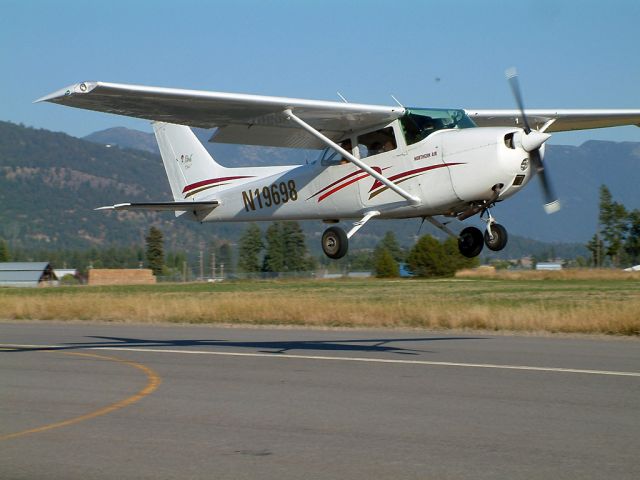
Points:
(499, 240)
(335, 243)
(470, 242)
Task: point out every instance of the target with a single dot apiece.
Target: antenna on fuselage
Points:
(396, 100)
(343, 99)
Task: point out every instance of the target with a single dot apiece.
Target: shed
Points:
(549, 266)
(26, 274)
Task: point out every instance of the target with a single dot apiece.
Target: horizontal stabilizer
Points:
(164, 206)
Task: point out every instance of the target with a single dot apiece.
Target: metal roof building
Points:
(26, 274)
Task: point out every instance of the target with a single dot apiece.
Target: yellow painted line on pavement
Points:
(153, 382)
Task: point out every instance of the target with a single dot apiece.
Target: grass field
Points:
(591, 305)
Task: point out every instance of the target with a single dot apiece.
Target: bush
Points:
(431, 258)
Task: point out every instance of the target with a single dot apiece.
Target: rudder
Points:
(190, 168)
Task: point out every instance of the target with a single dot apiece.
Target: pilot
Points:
(346, 145)
(388, 145)
(375, 148)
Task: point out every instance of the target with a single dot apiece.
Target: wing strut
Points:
(413, 200)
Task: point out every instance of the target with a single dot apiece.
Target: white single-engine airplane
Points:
(377, 162)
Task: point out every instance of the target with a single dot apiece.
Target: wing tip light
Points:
(82, 87)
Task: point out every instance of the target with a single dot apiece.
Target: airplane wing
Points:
(244, 119)
(556, 120)
(164, 206)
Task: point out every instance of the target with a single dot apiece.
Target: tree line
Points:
(617, 241)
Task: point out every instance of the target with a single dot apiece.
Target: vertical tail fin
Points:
(189, 166)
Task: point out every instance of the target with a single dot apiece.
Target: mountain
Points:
(51, 182)
(226, 154)
(125, 138)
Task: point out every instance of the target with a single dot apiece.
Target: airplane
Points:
(385, 162)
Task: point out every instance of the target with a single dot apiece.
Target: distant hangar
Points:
(27, 274)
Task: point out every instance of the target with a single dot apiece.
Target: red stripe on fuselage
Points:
(378, 183)
(211, 181)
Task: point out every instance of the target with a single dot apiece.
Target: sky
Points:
(570, 54)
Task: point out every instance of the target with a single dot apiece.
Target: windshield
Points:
(418, 123)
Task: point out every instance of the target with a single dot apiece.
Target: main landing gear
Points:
(335, 242)
(471, 239)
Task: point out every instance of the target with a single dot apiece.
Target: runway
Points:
(129, 401)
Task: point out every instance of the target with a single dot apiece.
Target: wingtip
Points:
(82, 87)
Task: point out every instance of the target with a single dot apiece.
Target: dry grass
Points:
(576, 306)
(566, 274)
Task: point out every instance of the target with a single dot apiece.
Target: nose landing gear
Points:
(495, 236)
(471, 239)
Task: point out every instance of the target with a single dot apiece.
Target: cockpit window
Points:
(376, 142)
(330, 156)
(419, 123)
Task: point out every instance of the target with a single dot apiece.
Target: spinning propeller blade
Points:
(532, 142)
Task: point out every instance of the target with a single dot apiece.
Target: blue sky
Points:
(570, 54)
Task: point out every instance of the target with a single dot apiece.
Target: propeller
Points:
(532, 142)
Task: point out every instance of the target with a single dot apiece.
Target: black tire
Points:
(470, 242)
(335, 243)
(499, 240)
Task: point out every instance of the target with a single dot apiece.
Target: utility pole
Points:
(184, 271)
(213, 265)
(201, 261)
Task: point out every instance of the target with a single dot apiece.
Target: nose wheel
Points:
(471, 240)
(495, 236)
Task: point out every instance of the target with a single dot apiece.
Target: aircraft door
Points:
(385, 152)
(334, 189)
(431, 171)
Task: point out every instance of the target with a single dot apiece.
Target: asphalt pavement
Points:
(106, 401)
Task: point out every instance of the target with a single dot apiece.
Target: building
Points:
(549, 266)
(27, 274)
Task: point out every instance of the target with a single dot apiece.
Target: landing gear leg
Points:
(335, 242)
(495, 236)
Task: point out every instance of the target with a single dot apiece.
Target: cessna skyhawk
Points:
(376, 161)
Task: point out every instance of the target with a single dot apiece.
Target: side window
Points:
(417, 127)
(331, 157)
(380, 141)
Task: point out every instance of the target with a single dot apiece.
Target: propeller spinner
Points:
(532, 141)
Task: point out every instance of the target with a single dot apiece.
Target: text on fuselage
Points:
(269, 195)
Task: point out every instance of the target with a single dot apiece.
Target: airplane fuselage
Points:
(447, 170)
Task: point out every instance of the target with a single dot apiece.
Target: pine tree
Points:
(4, 251)
(274, 257)
(391, 244)
(155, 251)
(249, 250)
(430, 258)
(425, 259)
(632, 244)
(384, 264)
(286, 249)
(225, 256)
(296, 258)
(613, 223)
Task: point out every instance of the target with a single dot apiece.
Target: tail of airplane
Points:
(190, 168)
